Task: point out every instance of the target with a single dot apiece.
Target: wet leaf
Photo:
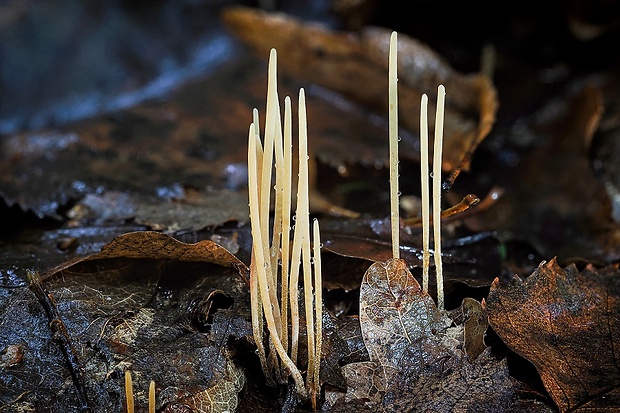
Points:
(222, 397)
(400, 323)
(178, 164)
(567, 323)
(369, 239)
(473, 318)
(146, 302)
(481, 386)
(416, 357)
(355, 64)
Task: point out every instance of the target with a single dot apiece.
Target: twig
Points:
(61, 335)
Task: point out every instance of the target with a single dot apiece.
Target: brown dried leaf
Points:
(223, 396)
(483, 386)
(400, 324)
(567, 323)
(416, 362)
(473, 318)
(395, 313)
(157, 246)
(175, 164)
(356, 65)
(152, 304)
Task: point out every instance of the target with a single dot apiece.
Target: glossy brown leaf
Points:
(355, 64)
(567, 323)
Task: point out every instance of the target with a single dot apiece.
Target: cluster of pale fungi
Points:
(275, 267)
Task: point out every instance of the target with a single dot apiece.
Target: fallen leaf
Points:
(417, 363)
(473, 318)
(356, 65)
(483, 386)
(567, 323)
(152, 245)
(400, 324)
(146, 302)
(222, 397)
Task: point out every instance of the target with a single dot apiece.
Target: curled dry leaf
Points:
(473, 318)
(356, 65)
(567, 323)
(158, 246)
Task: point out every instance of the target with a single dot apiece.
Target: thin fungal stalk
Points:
(278, 266)
(426, 255)
(262, 265)
(393, 137)
(437, 161)
(278, 219)
(129, 397)
(294, 282)
(152, 397)
(302, 224)
(286, 216)
(318, 301)
(129, 391)
(256, 307)
(272, 117)
(426, 201)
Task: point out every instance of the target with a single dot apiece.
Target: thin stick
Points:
(152, 397)
(286, 215)
(426, 255)
(393, 135)
(463, 205)
(318, 306)
(262, 268)
(294, 287)
(278, 220)
(255, 300)
(265, 184)
(129, 391)
(437, 160)
(302, 224)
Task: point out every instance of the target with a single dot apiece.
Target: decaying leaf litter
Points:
(445, 374)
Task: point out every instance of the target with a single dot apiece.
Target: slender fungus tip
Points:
(129, 392)
(393, 145)
(152, 401)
